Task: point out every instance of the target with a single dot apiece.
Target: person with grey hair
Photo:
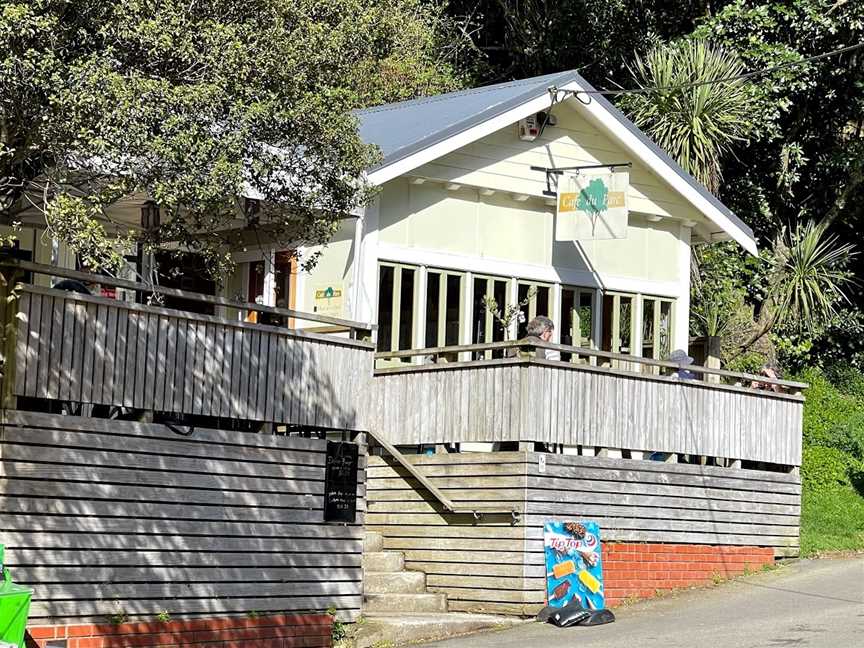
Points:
(542, 328)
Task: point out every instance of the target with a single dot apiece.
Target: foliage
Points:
(518, 38)
(164, 616)
(807, 157)
(809, 277)
(338, 631)
(510, 314)
(695, 122)
(831, 520)
(832, 419)
(832, 471)
(195, 105)
(720, 277)
(823, 468)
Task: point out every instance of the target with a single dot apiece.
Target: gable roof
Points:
(412, 133)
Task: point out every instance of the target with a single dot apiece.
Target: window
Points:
(484, 327)
(656, 327)
(425, 308)
(444, 296)
(577, 317)
(397, 288)
(618, 332)
(540, 303)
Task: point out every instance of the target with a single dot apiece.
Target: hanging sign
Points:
(592, 205)
(340, 482)
(574, 564)
(328, 299)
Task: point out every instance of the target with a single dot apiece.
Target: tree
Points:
(805, 158)
(518, 38)
(194, 105)
(796, 289)
(694, 121)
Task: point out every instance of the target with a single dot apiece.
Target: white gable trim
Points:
(411, 162)
(629, 140)
(624, 136)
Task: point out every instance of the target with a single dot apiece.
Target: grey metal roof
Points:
(405, 128)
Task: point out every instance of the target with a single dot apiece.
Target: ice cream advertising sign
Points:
(574, 564)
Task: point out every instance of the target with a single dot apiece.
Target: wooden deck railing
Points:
(83, 349)
(631, 405)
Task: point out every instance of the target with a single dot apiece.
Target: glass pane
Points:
(665, 329)
(284, 272)
(500, 292)
(478, 312)
(454, 301)
(406, 310)
(568, 299)
(626, 322)
(606, 339)
(433, 293)
(498, 332)
(648, 306)
(385, 308)
(522, 293)
(543, 301)
(255, 294)
(586, 318)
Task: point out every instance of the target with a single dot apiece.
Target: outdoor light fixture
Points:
(150, 216)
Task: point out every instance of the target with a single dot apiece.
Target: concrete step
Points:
(401, 629)
(383, 561)
(404, 603)
(402, 582)
(373, 542)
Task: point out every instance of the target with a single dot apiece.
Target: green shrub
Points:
(832, 419)
(847, 379)
(823, 468)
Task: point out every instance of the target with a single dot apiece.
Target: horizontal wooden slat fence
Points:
(554, 402)
(80, 348)
(493, 565)
(104, 517)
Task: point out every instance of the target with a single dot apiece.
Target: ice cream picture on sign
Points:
(592, 206)
(574, 564)
(328, 300)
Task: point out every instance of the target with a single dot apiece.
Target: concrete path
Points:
(811, 603)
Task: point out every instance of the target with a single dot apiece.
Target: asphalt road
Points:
(810, 603)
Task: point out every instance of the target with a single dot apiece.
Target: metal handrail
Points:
(529, 343)
(361, 328)
(446, 502)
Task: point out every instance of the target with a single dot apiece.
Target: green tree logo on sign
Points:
(593, 199)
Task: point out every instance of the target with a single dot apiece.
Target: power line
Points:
(736, 77)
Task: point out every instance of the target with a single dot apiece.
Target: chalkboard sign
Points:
(340, 482)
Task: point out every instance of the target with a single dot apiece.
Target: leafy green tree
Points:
(513, 39)
(805, 158)
(695, 121)
(194, 105)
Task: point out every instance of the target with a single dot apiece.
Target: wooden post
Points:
(712, 357)
(8, 335)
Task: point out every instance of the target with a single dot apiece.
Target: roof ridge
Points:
(460, 93)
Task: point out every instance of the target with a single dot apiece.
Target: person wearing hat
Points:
(680, 357)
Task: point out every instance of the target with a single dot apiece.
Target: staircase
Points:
(389, 588)
(397, 609)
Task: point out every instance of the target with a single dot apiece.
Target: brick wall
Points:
(639, 570)
(278, 631)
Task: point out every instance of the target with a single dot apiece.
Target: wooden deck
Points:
(90, 350)
(554, 402)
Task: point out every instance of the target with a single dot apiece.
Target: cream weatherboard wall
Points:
(481, 209)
